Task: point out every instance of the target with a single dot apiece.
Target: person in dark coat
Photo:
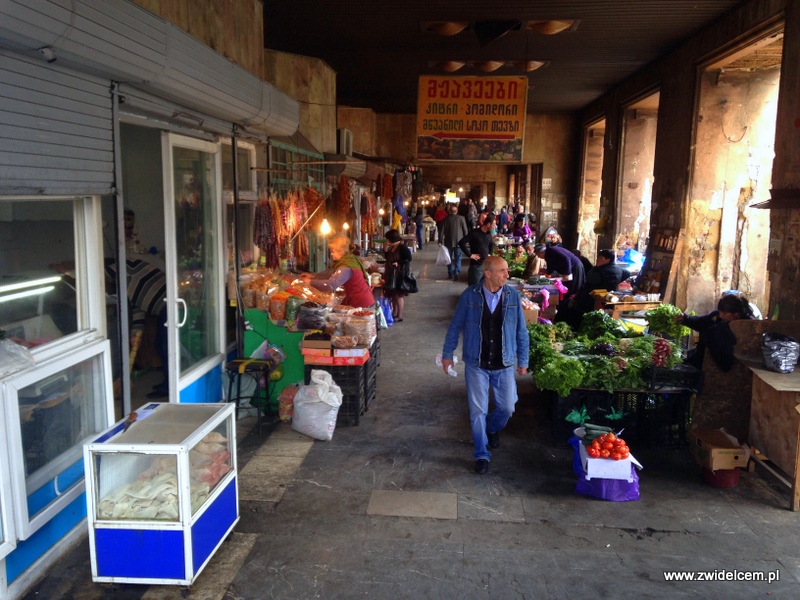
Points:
(606, 275)
(587, 264)
(397, 256)
(454, 230)
(715, 332)
(569, 268)
(478, 244)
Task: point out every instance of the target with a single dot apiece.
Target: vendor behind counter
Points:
(347, 272)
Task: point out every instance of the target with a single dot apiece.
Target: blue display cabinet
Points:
(161, 493)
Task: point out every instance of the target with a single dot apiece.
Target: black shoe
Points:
(494, 439)
(158, 394)
(455, 278)
(481, 466)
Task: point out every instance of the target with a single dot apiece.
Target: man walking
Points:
(453, 229)
(478, 244)
(495, 341)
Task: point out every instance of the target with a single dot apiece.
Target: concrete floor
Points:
(313, 514)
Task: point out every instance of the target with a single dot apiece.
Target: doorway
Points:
(593, 213)
(727, 239)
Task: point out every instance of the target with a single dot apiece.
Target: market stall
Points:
(610, 375)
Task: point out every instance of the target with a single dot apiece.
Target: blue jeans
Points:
(454, 268)
(478, 381)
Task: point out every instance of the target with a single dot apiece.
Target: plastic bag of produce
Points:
(316, 406)
(286, 402)
(780, 352)
(612, 490)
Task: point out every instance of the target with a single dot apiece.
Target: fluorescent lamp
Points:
(26, 293)
(26, 284)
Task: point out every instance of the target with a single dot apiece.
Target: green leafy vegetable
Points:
(661, 320)
(561, 375)
(597, 323)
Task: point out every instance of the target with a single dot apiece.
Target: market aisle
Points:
(315, 515)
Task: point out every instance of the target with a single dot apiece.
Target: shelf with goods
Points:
(661, 265)
(161, 493)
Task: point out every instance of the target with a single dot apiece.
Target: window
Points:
(287, 170)
(245, 159)
(52, 411)
(52, 301)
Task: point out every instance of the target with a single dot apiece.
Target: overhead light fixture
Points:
(449, 66)
(445, 28)
(552, 26)
(526, 66)
(488, 66)
(324, 228)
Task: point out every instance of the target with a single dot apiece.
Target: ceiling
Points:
(379, 49)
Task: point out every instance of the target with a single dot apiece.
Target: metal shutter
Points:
(55, 130)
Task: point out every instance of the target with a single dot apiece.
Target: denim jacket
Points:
(467, 318)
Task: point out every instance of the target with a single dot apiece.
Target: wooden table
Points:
(775, 424)
(617, 308)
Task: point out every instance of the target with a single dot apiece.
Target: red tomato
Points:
(610, 437)
(595, 444)
(623, 449)
(619, 442)
(616, 456)
(593, 452)
(624, 454)
(607, 446)
(604, 453)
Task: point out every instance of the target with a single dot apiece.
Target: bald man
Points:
(495, 344)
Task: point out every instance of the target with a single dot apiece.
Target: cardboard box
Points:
(318, 360)
(316, 343)
(316, 351)
(606, 468)
(350, 361)
(357, 351)
(716, 449)
(531, 316)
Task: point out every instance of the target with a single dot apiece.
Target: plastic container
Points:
(721, 478)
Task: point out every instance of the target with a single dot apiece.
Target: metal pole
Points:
(236, 261)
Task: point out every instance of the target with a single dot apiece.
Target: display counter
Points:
(161, 493)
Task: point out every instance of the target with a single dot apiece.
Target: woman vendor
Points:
(347, 272)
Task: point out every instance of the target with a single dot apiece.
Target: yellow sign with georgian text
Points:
(471, 118)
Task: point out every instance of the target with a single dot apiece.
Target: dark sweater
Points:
(478, 242)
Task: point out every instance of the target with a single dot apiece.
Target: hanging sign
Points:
(471, 118)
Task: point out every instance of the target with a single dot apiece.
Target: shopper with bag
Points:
(398, 261)
(453, 230)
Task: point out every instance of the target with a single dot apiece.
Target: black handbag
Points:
(408, 283)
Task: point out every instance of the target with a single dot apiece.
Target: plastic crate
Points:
(353, 384)
(680, 377)
(652, 419)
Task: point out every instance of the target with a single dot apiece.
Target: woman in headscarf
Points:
(397, 255)
(347, 272)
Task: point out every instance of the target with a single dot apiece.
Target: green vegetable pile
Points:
(561, 361)
(661, 320)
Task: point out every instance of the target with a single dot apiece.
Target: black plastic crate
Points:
(370, 391)
(651, 419)
(679, 377)
(352, 382)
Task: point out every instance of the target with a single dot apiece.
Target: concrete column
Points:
(784, 248)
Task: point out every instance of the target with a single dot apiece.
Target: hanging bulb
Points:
(346, 226)
(381, 212)
(325, 228)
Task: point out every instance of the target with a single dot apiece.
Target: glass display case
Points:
(161, 493)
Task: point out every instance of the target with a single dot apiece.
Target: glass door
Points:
(194, 246)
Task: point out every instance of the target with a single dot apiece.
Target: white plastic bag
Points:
(443, 257)
(14, 357)
(316, 406)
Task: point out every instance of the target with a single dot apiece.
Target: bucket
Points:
(721, 478)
